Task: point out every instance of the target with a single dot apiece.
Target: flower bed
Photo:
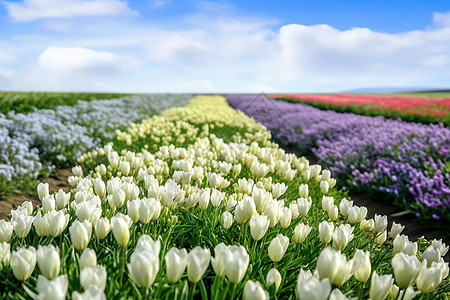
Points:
(199, 203)
(411, 109)
(407, 161)
(34, 144)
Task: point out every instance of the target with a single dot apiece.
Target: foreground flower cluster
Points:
(197, 203)
(34, 144)
(407, 161)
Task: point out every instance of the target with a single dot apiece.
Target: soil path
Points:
(55, 182)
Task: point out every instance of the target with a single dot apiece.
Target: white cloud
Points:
(79, 59)
(442, 18)
(30, 10)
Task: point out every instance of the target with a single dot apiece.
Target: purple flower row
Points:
(408, 160)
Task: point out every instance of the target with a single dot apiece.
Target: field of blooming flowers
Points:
(408, 108)
(407, 161)
(199, 203)
(36, 143)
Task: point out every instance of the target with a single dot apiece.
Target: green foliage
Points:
(25, 102)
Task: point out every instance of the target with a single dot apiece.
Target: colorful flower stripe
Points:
(406, 160)
(413, 105)
(217, 211)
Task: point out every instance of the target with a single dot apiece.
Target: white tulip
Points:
(344, 206)
(120, 225)
(102, 228)
(273, 277)
(80, 234)
(438, 244)
(22, 225)
(204, 197)
(285, 217)
(324, 186)
(100, 188)
(119, 197)
(42, 190)
(303, 190)
(396, 229)
(362, 267)
(278, 247)
(244, 210)
(294, 209)
(406, 268)
(236, 263)
(227, 219)
(145, 242)
(57, 222)
(94, 277)
(143, 267)
(6, 229)
(77, 171)
(258, 226)
(380, 286)
(342, 235)
(48, 261)
(278, 189)
(23, 262)
(92, 293)
(198, 261)
(333, 213)
(62, 199)
(254, 291)
(176, 262)
(327, 202)
(380, 223)
(48, 204)
(431, 255)
(310, 288)
(216, 197)
(41, 224)
(428, 278)
(88, 259)
(55, 288)
(304, 204)
(333, 265)
(301, 231)
(326, 232)
(133, 209)
(5, 254)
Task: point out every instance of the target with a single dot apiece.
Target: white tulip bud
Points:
(294, 209)
(216, 197)
(204, 198)
(306, 175)
(198, 261)
(57, 222)
(62, 199)
(42, 190)
(309, 287)
(380, 223)
(304, 204)
(333, 265)
(428, 278)
(80, 234)
(431, 255)
(6, 229)
(367, 225)
(333, 213)
(254, 291)
(303, 190)
(41, 224)
(120, 225)
(124, 167)
(48, 261)
(344, 206)
(52, 289)
(278, 189)
(361, 261)
(176, 262)
(438, 244)
(5, 254)
(406, 268)
(88, 259)
(258, 226)
(278, 247)
(102, 228)
(326, 232)
(227, 219)
(324, 186)
(381, 238)
(23, 262)
(22, 225)
(301, 231)
(380, 286)
(285, 217)
(119, 198)
(95, 277)
(144, 276)
(244, 210)
(77, 171)
(396, 229)
(327, 202)
(273, 277)
(342, 235)
(133, 209)
(100, 188)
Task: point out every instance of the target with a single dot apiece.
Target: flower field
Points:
(198, 202)
(407, 161)
(36, 143)
(408, 108)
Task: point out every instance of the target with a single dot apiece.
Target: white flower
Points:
(80, 234)
(94, 277)
(176, 262)
(5, 254)
(102, 228)
(42, 190)
(23, 262)
(342, 235)
(396, 229)
(258, 226)
(22, 225)
(333, 265)
(48, 261)
(62, 199)
(227, 219)
(278, 247)
(273, 277)
(362, 267)
(57, 222)
(301, 231)
(55, 288)
(380, 223)
(198, 261)
(120, 225)
(143, 267)
(304, 204)
(48, 204)
(310, 288)
(406, 268)
(380, 286)
(6, 229)
(88, 259)
(326, 231)
(254, 291)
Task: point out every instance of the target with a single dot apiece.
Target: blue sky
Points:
(223, 46)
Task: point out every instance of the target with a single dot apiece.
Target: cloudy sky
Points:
(223, 46)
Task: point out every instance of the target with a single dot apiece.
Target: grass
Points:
(25, 102)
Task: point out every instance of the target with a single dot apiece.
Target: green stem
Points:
(122, 267)
(361, 289)
(234, 290)
(194, 289)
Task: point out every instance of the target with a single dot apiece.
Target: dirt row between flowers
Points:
(59, 180)
(413, 228)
